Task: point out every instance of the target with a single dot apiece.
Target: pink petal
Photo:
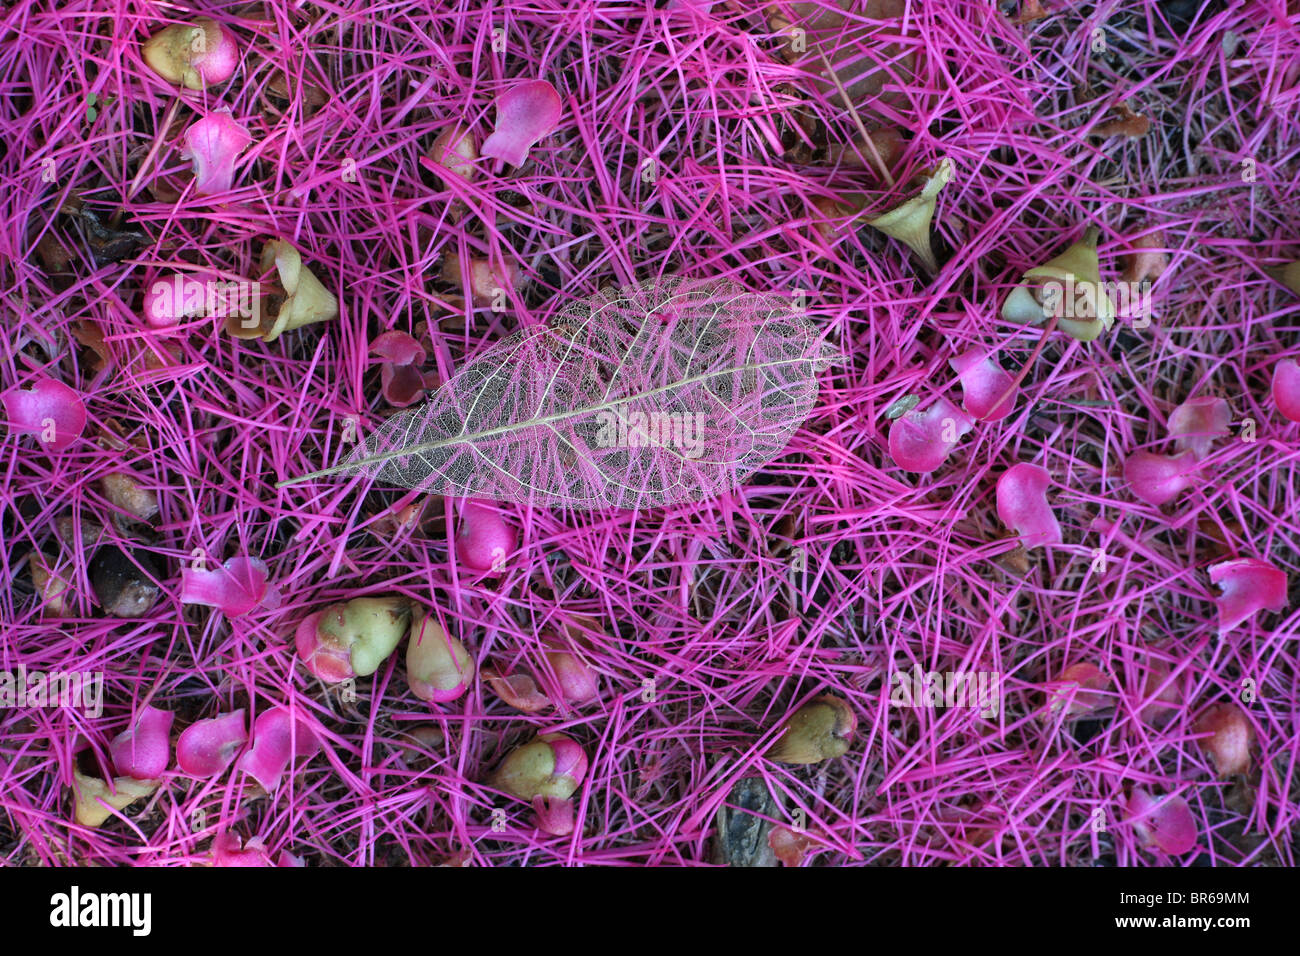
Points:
(176, 296)
(484, 540)
(1023, 507)
(525, 113)
(398, 348)
(1247, 586)
(983, 383)
(207, 747)
(1166, 823)
(1078, 690)
(401, 385)
(213, 144)
(570, 758)
(49, 409)
(142, 751)
(227, 851)
(277, 738)
(331, 663)
(1286, 389)
(1197, 422)
(288, 859)
(553, 816)
(921, 440)
(235, 588)
(1156, 479)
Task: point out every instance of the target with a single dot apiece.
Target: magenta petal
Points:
(1286, 389)
(218, 63)
(553, 815)
(920, 441)
(1156, 479)
(401, 385)
(1023, 507)
(276, 740)
(398, 348)
(983, 383)
(206, 747)
(213, 144)
(142, 750)
(49, 409)
(1166, 823)
(525, 113)
(235, 588)
(227, 851)
(1247, 586)
(1197, 422)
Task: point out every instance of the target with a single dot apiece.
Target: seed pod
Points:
(90, 794)
(550, 765)
(1043, 292)
(301, 300)
(909, 222)
(819, 730)
(124, 584)
(193, 55)
(438, 667)
(353, 638)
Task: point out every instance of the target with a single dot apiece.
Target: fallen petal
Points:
(49, 409)
(1078, 690)
(525, 113)
(143, 750)
(277, 739)
(213, 144)
(1023, 507)
(1166, 823)
(1286, 389)
(227, 850)
(987, 388)
(1197, 422)
(1230, 741)
(920, 441)
(207, 747)
(520, 691)
(1156, 479)
(235, 588)
(553, 815)
(1247, 586)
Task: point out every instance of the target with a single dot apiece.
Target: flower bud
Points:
(193, 55)
(553, 815)
(576, 680)
(438, 668)
(819, 730)
(1085, 314)
(353, 638)
(1286, 389)
(483, 539)
(551, 765)
(142, 751)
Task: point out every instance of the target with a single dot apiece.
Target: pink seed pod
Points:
(483, 539)
(193, 55)
(553, 816)
(1156, 479)
(353, 638)
(277, 739)
(1247, 586)
(50, 410)
(176, 296)
(984, 383)
(550, 765)
(400, 379)
(1231, 738)
(525, 113)
(143, 750)
(1023, 507)
(207, 747)
(1078, 690)
(920, 441)
(452, 154)
(438, 668)
(1165, 823)
(235, 588)
(520, 691)
(1197, 422)
(1286, 389)
(229, 850)
(576, 680)
(213, 144)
